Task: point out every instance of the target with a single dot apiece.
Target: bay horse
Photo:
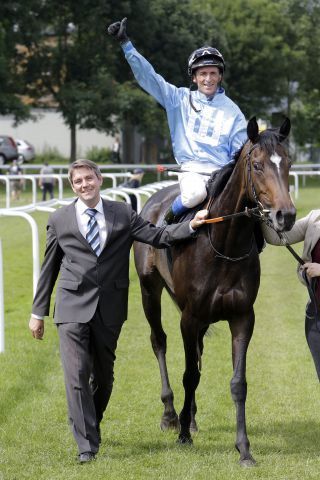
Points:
(215, 276)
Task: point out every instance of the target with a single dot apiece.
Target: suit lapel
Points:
(109, 214)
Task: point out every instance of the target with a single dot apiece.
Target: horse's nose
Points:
(285, 218)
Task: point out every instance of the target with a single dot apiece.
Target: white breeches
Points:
(192, 184)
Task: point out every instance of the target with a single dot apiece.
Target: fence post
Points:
(1, 302)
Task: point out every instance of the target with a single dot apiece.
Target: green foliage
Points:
(139, 108)
(99, 155)
(50, 155)
(10, 103)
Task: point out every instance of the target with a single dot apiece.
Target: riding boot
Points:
(175, 211)
(169, 216)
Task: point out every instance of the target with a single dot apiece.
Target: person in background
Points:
(115, 156)
(46, 182)
(16, 184)
(88, 247)
(307, 230)
(207, 128)
(134, 182)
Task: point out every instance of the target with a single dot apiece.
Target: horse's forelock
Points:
(269, 140)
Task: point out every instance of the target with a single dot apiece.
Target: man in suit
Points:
(92, 292)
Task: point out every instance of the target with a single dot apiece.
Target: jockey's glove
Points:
(119, 31)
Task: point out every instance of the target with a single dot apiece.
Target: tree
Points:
(61, 59)
(10, 101)
(306, 104)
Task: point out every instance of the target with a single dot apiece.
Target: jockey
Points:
(206, 126)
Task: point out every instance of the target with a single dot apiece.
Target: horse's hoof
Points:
(184, 440)
(170, 424)
(247, 462)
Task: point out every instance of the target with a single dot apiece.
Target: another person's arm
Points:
(295, 235)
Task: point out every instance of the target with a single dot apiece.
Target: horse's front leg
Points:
(191, 377)
(241, 330)
(151, 299)
(193, 423)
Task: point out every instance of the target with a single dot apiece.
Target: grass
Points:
(283, 392)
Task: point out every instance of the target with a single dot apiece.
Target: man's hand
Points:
(312, 269)
(199, 219)
(37, 327)
(119, 30)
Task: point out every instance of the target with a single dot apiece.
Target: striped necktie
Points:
(92, 234)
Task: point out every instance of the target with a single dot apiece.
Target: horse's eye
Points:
(257, 167)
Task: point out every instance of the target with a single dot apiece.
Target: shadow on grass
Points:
(278, 438)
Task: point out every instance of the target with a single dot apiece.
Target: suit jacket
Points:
(307, 229)
(85, 279)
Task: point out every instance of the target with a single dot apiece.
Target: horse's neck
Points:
(233, 235)
(233, 197)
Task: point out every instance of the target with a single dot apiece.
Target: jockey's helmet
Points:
(204, 57)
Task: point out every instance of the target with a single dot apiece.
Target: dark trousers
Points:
(88, 351)
(47, 187)
(313, 340)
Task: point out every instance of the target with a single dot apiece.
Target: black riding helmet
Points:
(204, 57)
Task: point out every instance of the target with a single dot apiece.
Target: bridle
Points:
(248, 179)
(257, 212)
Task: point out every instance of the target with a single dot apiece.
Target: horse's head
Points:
(267, 172)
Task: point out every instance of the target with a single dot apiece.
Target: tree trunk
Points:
(73, 139)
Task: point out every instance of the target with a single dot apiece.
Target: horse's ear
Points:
(284, 130)
(253, 130)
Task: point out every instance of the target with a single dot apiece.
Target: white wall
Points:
(49, 131)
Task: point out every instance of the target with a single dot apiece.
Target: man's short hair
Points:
(83, 163)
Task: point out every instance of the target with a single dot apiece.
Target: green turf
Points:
(283, 403)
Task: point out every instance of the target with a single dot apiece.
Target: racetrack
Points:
(283, 393)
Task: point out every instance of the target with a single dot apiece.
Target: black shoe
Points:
(86, 457)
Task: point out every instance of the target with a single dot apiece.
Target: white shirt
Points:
(83, 218)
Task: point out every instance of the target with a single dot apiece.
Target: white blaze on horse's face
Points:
(276, 159)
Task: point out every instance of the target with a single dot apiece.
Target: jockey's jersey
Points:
(210, 135)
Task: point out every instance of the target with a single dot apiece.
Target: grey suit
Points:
(91, 303)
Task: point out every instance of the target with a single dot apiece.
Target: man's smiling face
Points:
(207, 80)
(86, 185)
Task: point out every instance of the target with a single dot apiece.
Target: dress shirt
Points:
(83, 218)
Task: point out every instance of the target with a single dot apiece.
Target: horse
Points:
(215, 276)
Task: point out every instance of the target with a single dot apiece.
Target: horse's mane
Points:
(219, 179)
